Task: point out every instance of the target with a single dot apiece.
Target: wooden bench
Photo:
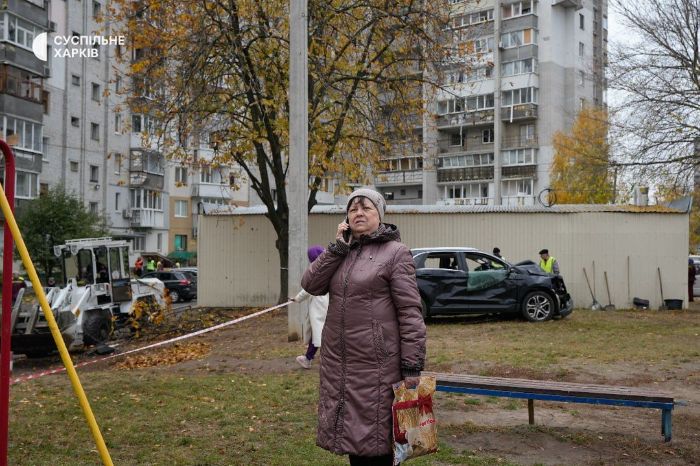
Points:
(558, 391)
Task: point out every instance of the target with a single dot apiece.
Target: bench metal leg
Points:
(666, 424)
(531, 411)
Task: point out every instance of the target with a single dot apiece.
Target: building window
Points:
(528, 65)
(582, 103)
(517, 9)
(19, 31)
(456, 139)
(96, 10)
(75, 80)
(518, 157)
(45, 99)
(471, 160)
(94, 173)
(181, 176)
(181, 209)
(139, 243)
(117, 123)
(73, 166)
(525, 95)
(518, 38)
(118, 83)
(159, 240)
(181, 242)
(581, 78)
(402, 192)
(94, 131)
(581, 21)
(469, 190)
(473, 103)
(26, 185)
(118, 159)
(206, 175)
(517, 187)
(116, 202)
(146, 199)
(29, 135)
(487, 136)
(94, 208)
(95, 92)
(75, 121)
(581, 49)
(527, 133)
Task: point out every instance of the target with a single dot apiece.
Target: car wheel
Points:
(174, 296)
(97, 327)
(425, 310)
(538, 306)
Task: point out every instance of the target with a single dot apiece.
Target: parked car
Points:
(190, 270)
(179, 284)
(468, 281)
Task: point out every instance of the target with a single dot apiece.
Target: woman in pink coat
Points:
(374, 333)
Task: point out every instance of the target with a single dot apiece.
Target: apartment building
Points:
(23, 97)
(517, 72)
(196, 189)
(100, 150)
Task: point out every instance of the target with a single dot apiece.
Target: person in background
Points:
(497, 253)
(314, 319)
(138, 266)
(159, 267)
(691, 279)
(374, 334)
(548, 263)
(151, 265)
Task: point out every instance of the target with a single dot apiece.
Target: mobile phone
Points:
(347, 233)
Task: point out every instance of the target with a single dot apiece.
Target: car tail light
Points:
(184, 282)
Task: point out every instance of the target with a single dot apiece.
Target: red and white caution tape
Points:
(36, 375)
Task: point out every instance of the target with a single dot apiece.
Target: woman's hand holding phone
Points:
(344, 232)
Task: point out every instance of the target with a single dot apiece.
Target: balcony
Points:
(464, 174)
(519, 171)
(147, 218)
(518, 112)
(469, 201)
(517, 142)
(519, 200)
(211, 190)
(399, 177)
(577, 4)
(453, 120)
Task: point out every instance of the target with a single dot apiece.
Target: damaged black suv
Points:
(468, 281)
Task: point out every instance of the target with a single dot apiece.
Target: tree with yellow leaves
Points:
(580, 172)
(221, 68)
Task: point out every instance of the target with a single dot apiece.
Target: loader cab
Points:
(100, 262)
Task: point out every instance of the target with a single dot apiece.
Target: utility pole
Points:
(298, 174)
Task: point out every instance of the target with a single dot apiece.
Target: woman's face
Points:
(363, 217)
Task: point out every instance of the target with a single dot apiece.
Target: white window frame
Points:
(30, 135)
(181, 208)
(32, 185)
(181, 175)
(22, 27)
(518, 9)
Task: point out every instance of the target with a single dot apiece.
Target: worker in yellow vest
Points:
(548, 263)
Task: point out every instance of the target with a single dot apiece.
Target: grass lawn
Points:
(211, 413)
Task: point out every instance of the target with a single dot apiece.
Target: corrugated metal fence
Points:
(239, 264)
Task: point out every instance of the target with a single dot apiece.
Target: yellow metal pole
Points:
(55, 332)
